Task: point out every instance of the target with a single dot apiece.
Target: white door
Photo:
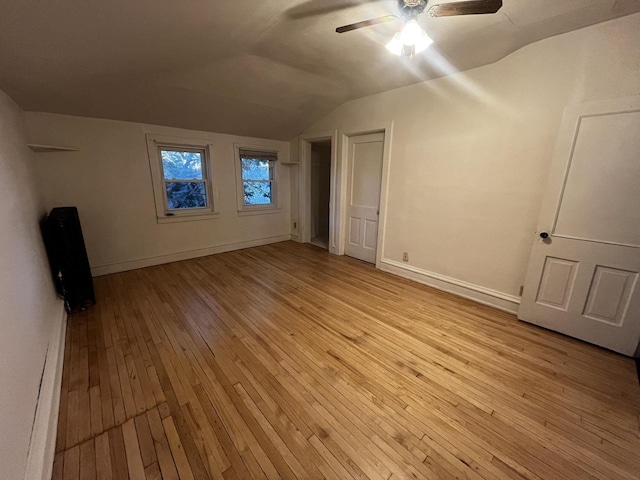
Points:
(583, 278)
(364, 175)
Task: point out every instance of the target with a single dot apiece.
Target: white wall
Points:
(470, 153)
(109, 181)
(29, 308)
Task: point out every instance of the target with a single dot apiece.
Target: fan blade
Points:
(366, 23)
(314, 8)
(472, 7)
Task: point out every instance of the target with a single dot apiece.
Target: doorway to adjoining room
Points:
(320, 192)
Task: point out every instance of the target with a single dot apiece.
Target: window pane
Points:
(257, 193)
(181, 165)
(186, 195)
(253, 169)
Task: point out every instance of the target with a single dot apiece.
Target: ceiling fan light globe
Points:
(422, 44)
(411, 33)
(395, 45)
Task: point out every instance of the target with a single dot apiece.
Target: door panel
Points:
(364, 175)
(556, 283)
(354, 231)
(582, 279)
(610, 294)
(602, 181)
(370, 234)
(366, 164)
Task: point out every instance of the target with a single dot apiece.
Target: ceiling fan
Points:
(412, 39)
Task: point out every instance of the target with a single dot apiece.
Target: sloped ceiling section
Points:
(258, 68)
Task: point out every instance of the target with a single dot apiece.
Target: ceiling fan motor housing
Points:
(411, 8)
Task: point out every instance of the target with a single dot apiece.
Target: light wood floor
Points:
(286, 362)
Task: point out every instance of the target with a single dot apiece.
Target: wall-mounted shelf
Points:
(39, 148)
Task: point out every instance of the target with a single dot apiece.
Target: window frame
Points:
(156, 143)
(256, 209)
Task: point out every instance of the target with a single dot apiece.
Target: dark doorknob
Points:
(544, 235)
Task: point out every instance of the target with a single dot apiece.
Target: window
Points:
(181, 172)
(184, 177)
(257, 179)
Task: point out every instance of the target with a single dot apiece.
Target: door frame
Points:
(385, 128)
(338, 189)
(304, 181)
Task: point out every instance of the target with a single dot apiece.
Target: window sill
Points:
(188, 218)
(258, 211)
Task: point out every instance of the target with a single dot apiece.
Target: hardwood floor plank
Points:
(147, 449)
(106, 402)
(338, 470)
(155, 385)
(64, 394)
(163, 451)
(283, 361)
(116, 392)
(103, 457)
(132, 447)
(229, 449)
(200, 443)
(72, 428)
(175, 444)
(281, 446)
(119, 468)
(92, 348)
(72, 463)
(95, 400)
(87, 460)
(152, 472)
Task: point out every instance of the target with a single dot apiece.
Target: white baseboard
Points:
(477, 293)
(45, 424)
(176, 257)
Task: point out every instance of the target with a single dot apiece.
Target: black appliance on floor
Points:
(68, 258)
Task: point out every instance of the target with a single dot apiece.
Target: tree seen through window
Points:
(184, 178)
(257, 179)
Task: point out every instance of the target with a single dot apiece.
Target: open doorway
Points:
(320, 192)
(317, 190)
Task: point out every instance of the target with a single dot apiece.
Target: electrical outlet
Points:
(295, 225)
(405, 257)
(521, 289)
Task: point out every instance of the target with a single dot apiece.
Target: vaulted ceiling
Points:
(266, 68)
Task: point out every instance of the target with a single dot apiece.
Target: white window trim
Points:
(157, 177)
(266, 209)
